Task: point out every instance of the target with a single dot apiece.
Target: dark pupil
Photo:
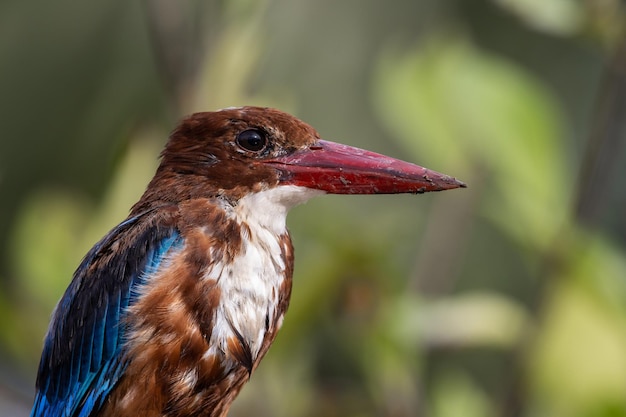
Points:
(251, 140)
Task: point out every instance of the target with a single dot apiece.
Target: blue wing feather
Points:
(81, 360)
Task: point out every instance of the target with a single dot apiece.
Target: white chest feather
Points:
(251, 283)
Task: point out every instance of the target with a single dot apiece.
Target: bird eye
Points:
(252, 140)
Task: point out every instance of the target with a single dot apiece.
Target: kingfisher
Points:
(172, 311)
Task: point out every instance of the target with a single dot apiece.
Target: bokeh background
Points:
(504, 299)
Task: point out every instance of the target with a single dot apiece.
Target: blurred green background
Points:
(504, 299)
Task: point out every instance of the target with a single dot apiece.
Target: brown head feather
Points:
(202, 158)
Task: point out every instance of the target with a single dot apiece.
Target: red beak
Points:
(342, 169)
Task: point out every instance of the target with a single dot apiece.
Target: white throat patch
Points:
(268, 209)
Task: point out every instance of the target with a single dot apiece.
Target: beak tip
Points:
(460, 184)
(449, 183)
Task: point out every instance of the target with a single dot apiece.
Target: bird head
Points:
(237, 151)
